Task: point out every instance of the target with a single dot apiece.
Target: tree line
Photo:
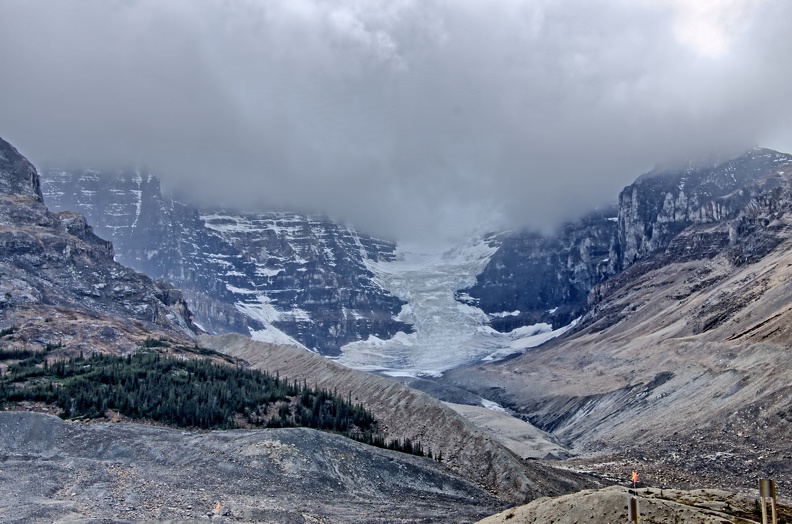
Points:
(183, 392)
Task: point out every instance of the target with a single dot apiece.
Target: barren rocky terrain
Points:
(681, 370)
(656, 506)
(407, 413)
(56, 471)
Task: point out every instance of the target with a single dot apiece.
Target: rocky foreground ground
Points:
(56, 471)
(655, 506)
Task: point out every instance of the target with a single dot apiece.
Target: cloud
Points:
(707, 26)
(413, 119)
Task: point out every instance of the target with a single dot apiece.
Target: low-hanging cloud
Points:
(414, 119)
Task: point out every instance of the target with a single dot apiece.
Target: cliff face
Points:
(681, 357)
(686, 214)
(534, 278)
(19, 176)
(56, 271)
(661, 204)
(282, 277)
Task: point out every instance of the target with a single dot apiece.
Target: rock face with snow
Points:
(535, 278)
(662, 203)
(282, 277)
(56, 271)
(304, 280)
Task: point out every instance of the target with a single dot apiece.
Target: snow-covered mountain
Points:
(279, 277)
(302, 280)
(305, 280)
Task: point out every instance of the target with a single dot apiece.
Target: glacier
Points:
(448, 333)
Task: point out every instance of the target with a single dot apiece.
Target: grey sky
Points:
(414, 119)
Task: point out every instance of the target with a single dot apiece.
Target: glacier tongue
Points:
(447, 333)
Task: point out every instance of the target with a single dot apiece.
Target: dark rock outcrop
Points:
(677, 214)
(534, 278)
(56, 271)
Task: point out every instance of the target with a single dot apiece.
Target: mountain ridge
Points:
(277, 276)
(559, 271)
(681, 358)
(301, 280)
(56, 270)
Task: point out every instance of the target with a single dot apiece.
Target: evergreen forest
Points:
(183, 392)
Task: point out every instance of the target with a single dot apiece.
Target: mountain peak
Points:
(17, 174)
(756, 155)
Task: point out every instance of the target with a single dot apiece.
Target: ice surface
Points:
(447, 333)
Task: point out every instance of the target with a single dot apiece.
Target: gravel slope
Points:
(407, 413)
(56, 471)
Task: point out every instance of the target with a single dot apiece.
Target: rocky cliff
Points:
(684, 213)
(282, 277)
(60, 285)
(534, 278)
(681, 365)
(661, 204)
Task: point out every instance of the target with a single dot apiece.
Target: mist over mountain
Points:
(413, 120)
(440, 191)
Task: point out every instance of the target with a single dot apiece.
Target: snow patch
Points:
(259, 309)
(262, 271)
(139, 197)
(493, 406)
(505, 314)
(527, 337)
(239, 290)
